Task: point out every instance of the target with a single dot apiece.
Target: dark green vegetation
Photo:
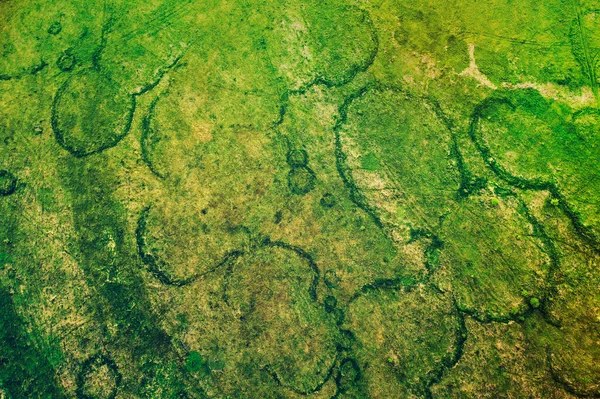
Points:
(278, 199)
(8, 183)
(66, 62)
(25, 371)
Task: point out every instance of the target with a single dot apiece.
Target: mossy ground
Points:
(281, 199)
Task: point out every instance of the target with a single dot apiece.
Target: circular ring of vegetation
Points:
(55, 28)
(66, 62)
(301, 180)
(90, 113)
(533, 103)
(88, 367)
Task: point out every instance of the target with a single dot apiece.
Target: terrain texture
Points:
(289, 199)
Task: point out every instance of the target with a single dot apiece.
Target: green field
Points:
(335, 199)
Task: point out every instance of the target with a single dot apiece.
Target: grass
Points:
(279, 199)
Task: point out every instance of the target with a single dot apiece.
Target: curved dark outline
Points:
(327, 200)
(432, 250)
(284, 98)
(292, 162)
(319, 80)
(147, 119)
(266, 242)
(159, 75)
(55, 28)
(32, 70)
(535, 184)
(302, 190)
(84, 371)
(353, 70)
(72, 61)
(468, 185)
(106, 29)
(59, 134)
(146, 131)
(12, 186)
(338, 376)
(453, 359)
(358, 198)
(546, 291)
(344, 171)
(461, 332)
(312, 291)
(330, 303)
(155, 265)
(566, 385)
(436, 244)
(316, 389)
(585, 233)
(382, 285)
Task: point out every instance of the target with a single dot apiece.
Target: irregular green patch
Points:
(195, 363)
(370, 162)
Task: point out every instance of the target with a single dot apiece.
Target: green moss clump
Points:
(534, 302)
